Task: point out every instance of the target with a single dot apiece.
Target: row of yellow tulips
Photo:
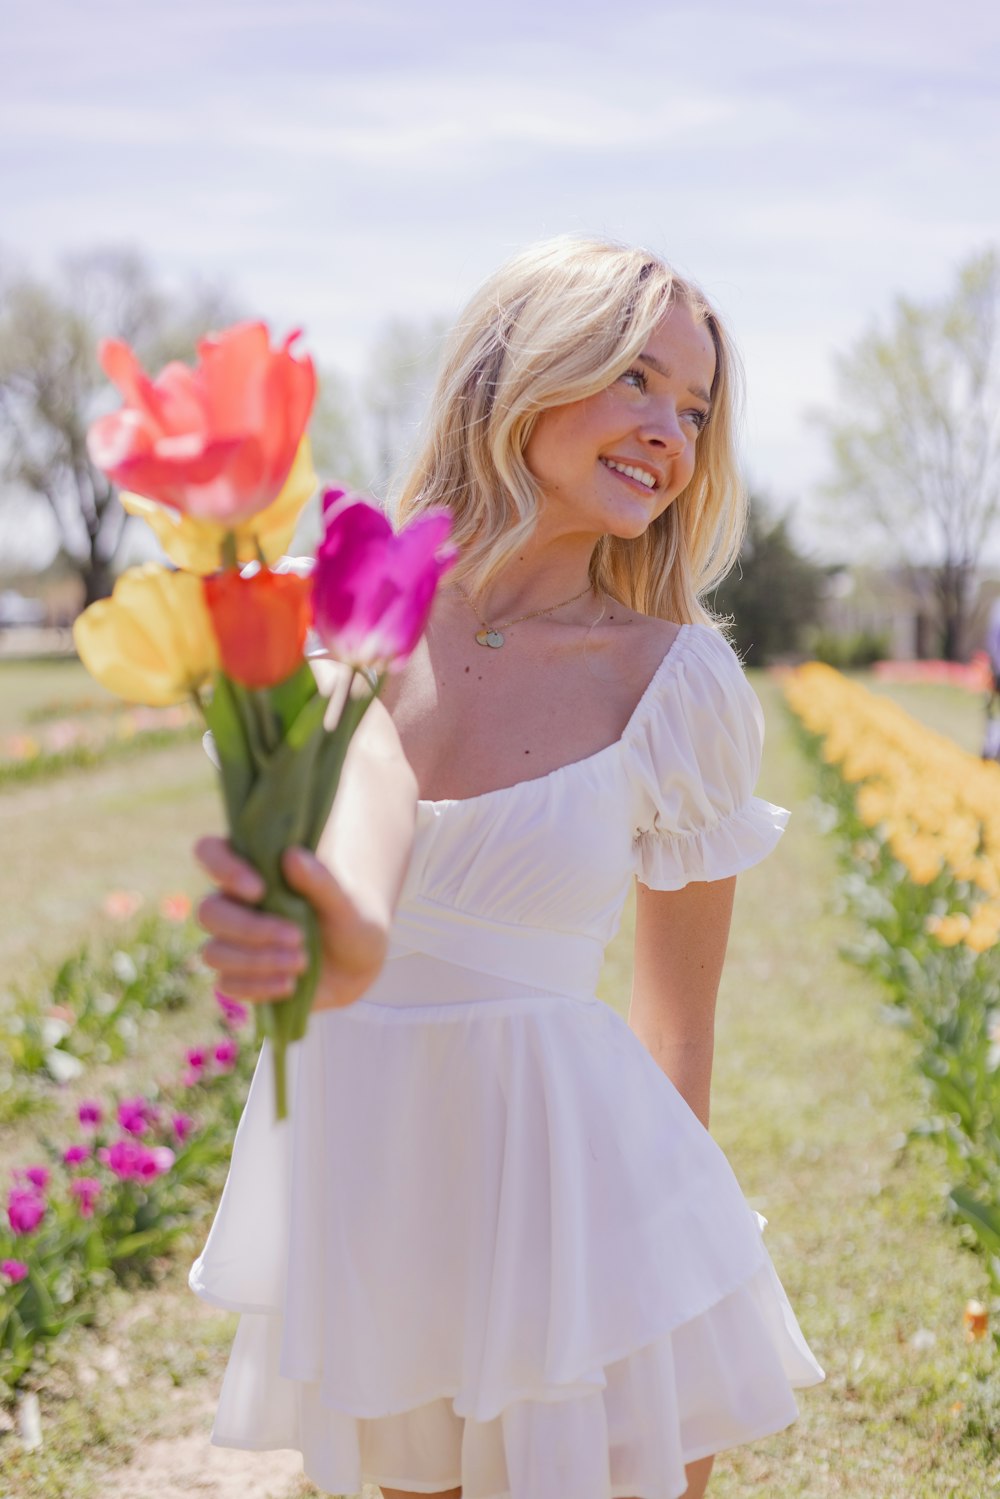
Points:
(935, 806)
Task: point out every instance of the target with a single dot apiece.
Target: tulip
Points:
(25, 1210)
(233, 1013)
(15, 1270)
(86, 1189)
(182, 1125)
(90, 1113)
(216, 442)
(38, 1176)
(196, 545)
(226, 1054)
(152, 641)
(373, 588)
(175, 907)
(74, 1154)
(260, 619)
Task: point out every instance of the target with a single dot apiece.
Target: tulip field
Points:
(919, 820)
(855, 1095)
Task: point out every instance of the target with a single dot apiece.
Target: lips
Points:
(639, 473)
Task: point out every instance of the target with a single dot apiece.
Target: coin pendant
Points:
(490, 637)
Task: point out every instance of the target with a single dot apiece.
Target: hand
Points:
(258, 957)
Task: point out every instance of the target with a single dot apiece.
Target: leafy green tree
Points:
(774, 594)
(51, 388)
(915, 440)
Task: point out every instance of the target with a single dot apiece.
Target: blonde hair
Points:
(560, 322)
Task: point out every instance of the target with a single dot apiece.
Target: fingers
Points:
(313, 879)
(235, 922)
(231, 873)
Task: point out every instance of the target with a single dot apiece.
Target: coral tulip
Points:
(196, 545)
(260, 620)
(216, 442)
(373, 588)
(151, 641)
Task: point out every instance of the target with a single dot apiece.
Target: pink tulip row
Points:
(127, 1158)
(69, 733)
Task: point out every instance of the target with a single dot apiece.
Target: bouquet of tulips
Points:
(216, 460)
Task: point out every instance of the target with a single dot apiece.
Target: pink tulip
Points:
(87, 1190)
(25, 1210)
(233, 1013)
(135, 1115)
(373, 588)
(196, 1058)
(183, 1124)
(74, 1154)
(38, 1176)
(216, 442)
(122, 1158)
(89, 1113)
(15, 1270)
(226, 1054)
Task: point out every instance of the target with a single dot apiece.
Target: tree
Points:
(51, 387)
(916, 440)
(402, 369)
(774, 594)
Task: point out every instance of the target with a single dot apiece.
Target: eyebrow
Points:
(662, 369)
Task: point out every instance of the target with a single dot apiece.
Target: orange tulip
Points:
(216, 442)
(260, 621)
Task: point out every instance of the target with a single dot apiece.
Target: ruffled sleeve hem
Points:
(669, 861)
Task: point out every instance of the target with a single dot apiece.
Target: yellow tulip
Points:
(196, 545)
(152, 641)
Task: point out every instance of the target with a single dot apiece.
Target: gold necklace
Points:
(492, 635)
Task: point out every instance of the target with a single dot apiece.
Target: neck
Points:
(534, 581)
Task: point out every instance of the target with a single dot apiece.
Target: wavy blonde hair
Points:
(559, 322)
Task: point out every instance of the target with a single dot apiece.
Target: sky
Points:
(340, 164)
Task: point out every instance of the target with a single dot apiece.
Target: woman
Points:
(496, 1251)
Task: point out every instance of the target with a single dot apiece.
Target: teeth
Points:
(633, 473)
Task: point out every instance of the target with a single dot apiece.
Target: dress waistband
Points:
(554, 962)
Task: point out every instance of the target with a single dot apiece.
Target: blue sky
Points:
(338, 164)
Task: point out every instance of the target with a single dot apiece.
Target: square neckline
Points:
(683, 634)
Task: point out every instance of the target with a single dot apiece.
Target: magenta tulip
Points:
(86, 1190)
(15, 1270)
(89, 1113)
(74, 1154)
(372, 587)
(225, 1055)
(38, 1176)
(25, 1210)
(183, 1124)
(233, 1013)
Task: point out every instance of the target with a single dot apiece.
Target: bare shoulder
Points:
(639, 642)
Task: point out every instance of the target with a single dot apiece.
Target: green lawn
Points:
(813, 1092)
(55, 686)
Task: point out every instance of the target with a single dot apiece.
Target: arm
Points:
(680, 947)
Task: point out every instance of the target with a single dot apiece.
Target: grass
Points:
(813, 1092)
(43, 687)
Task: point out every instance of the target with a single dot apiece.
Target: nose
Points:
(662, 429)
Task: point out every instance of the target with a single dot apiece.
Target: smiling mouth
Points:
(632, 471)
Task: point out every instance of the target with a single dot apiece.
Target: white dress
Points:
(492, 1246)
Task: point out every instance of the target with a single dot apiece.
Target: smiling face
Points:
(612, 462)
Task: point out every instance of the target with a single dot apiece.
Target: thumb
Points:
(313, 879)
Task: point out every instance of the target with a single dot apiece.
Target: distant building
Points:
(899, 604)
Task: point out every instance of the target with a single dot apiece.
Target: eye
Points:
(637, 378)
(699, 418)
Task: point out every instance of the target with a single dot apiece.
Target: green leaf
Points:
(984, 1217)
(288, 698)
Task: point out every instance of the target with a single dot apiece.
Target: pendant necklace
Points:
(492, 635)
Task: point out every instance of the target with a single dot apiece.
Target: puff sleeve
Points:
(699, 751)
